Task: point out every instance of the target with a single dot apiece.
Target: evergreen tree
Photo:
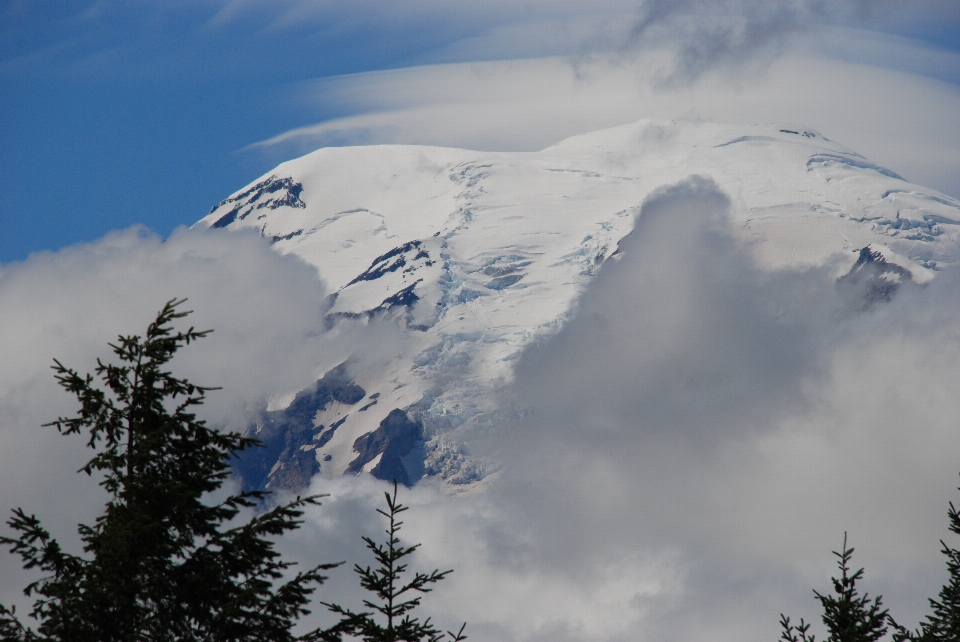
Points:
(849, 617)
(159, 564)
(395, 596)
(943, 625)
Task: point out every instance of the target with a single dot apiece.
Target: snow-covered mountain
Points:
(476, 254)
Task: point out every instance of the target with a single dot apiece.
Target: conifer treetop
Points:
(160, 563)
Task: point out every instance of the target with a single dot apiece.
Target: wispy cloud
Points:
(378, 34)
(900, 120)
(706, 31)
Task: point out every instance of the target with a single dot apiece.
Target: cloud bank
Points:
(266, 311)
(677, 462)
(740, 420)
(895, 118)
(685, 453)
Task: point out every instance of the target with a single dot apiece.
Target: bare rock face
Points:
(871, 280)
(290, 436)
(395, 450)
(269, 193)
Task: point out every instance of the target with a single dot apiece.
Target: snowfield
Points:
(474, 255)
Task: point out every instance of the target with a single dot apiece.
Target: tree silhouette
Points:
(849, 617)
(159, 564)
(395, 597)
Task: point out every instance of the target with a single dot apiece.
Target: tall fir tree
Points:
(848, 616)
(943, 624)
(160, 564)
(395, 597)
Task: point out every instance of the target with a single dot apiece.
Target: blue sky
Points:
(146, 112)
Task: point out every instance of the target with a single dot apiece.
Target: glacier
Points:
(473, 256)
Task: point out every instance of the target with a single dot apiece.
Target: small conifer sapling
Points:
(390, 619)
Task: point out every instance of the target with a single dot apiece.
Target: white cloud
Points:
(695, 441)
(741, 420)
(900, 120)
(704, 32)
(266, 311)
(693, 445)
(700, 435)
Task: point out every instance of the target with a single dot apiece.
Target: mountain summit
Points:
(474, 255)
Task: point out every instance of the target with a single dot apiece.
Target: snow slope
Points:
(476, 254)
